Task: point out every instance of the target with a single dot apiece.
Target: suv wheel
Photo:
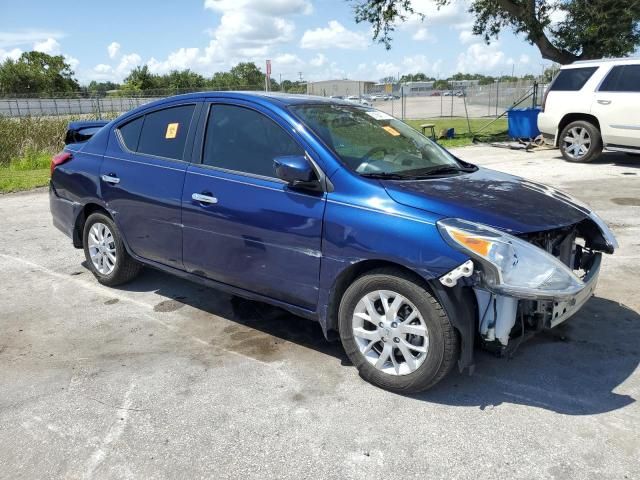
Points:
(396, 333)
(580, 141)
(105, 253)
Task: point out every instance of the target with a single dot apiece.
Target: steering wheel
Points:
(373, 151)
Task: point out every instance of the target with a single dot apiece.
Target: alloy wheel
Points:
(577, 142)
(102, 248)
(390, 332)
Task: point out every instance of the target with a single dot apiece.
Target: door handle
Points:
(204, 198)
(111, 178)
(604, 102)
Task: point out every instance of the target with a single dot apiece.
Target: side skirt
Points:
(301, 312)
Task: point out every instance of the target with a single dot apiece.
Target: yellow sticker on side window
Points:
(172, 130)
(391, 131)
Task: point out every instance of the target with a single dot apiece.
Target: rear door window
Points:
(622, 78)
(572, 79)
(162, 133)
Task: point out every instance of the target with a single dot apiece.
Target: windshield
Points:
(373, 143)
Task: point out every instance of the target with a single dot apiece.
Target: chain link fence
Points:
(475, 101)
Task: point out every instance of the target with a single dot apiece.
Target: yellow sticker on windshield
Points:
(391, 131)
(172, 130)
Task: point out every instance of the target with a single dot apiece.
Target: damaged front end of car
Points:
(529, 282)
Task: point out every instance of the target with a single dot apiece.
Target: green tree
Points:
(37, 73)
(183, 80)
(441, 85)
(223, 81)
(102, 87)
(590, 29)
(248, 75)
(140, 79)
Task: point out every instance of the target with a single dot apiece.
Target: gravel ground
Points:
(167, 379)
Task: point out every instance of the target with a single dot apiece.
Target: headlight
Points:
(511, 266)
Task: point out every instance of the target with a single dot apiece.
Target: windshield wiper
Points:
(384, 175)
(431, 171)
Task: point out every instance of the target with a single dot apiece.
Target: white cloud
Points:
(26, 37)
(127, 63)
(264, 7)
(102, 68)
(466, 36)
(334, 36)
(72, 61)
(481, 58)
(524, 59)
(50, 46)
(13, 54)
(248, 30)
(409, 64)
(557, 16)
(452, 13)
(113, 49)
(319, 60)
(422, 34)
(181, 59)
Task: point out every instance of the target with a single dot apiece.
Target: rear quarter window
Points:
(622, 78)
(130, 133)
(572, 79)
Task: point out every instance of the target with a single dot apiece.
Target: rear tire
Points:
(106, 255)
(580, 142)
(417, 327)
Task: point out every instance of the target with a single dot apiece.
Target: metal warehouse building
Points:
(343, 88)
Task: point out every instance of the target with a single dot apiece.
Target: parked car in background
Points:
(592, 106)
(336, 212)
(358, 100)
(448, 93)
(434, 94)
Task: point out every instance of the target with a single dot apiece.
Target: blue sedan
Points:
(336, 212)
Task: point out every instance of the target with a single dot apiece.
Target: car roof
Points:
(602, 61)
(275, 98)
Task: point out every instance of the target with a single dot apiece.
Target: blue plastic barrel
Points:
(523, 122)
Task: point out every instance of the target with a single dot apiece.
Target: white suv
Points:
(593, 105)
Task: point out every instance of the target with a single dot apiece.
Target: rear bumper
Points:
(63, 212)
(548, 127)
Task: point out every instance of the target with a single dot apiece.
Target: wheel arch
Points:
(459, 303)
(574, 117)
(81, 219)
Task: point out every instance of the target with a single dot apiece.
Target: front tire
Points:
(580, 142)
(396, 333)
(105, 253)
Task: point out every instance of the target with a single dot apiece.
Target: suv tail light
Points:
(59, 159)
(544, 98)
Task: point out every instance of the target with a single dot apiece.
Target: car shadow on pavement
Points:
(573, 369)
(267, 319)
(613, 158)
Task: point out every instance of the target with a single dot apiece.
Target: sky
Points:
(317, 39)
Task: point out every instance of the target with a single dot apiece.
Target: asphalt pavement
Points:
(163, 378)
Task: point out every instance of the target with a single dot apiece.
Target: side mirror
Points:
(295, 170)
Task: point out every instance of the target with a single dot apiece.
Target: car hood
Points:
(493, 198)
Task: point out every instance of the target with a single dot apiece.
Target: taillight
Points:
(59, 159)
(544, 99)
